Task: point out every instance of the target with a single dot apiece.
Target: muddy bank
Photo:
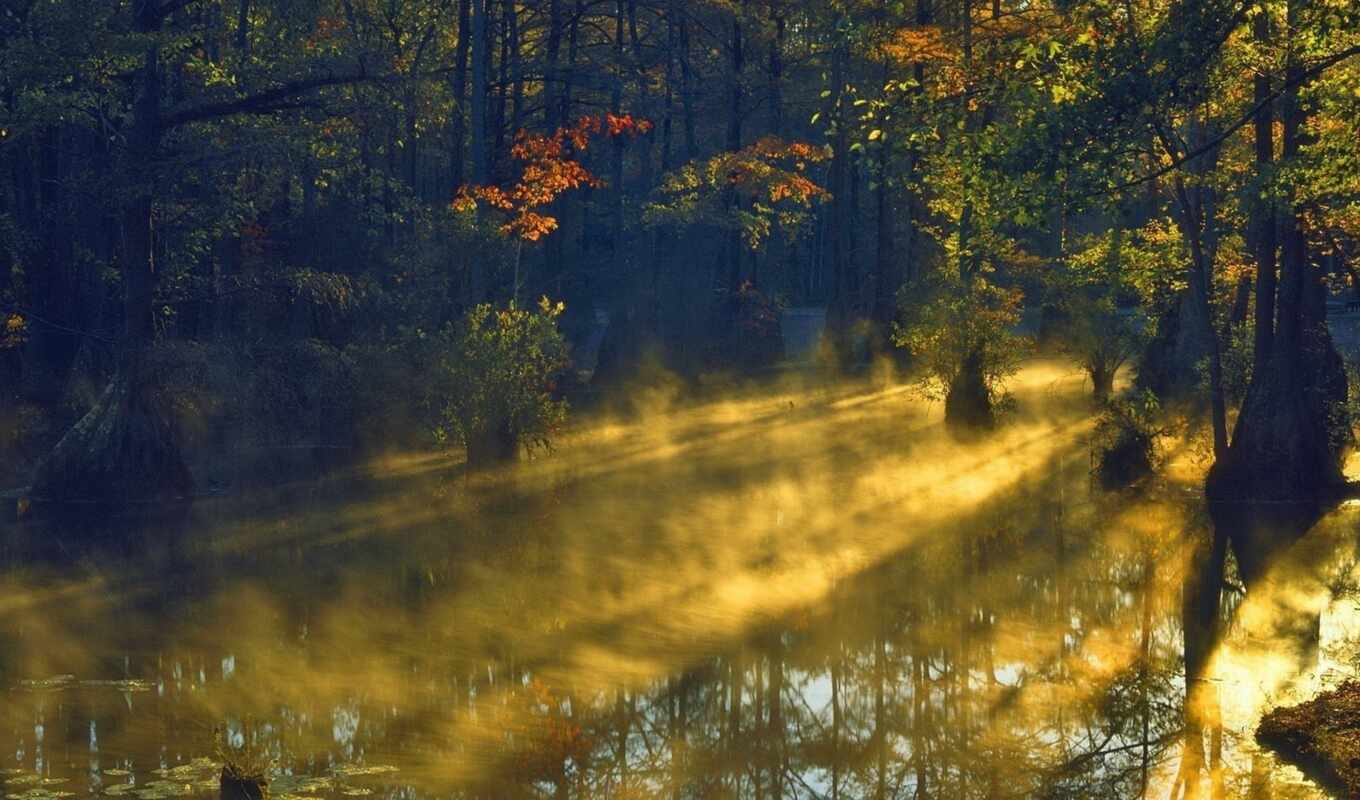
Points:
(1320, 737)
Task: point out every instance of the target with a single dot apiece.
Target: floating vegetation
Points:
(161, 790)
(359, 771)
(39, 794)
(126, 685)
(120, 789)
(198, 770)
(301, 784)
(355, 791)
(116, 773)
(53, 684)
(58, 683)
(22, 778)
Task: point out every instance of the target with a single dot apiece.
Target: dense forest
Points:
(331, 224)
(249, 244)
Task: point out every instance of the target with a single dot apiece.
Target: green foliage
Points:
(756, 190)
(495, 368)
(1086, 289)
(953, 323)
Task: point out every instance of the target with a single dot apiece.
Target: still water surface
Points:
(808, 591)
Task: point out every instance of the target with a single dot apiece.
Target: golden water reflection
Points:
(800, 591)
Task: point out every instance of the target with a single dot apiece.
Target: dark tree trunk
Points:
(968, 402)
(493, 446)
(886, 277)
(735, 109)
(777, 69)
(552, 89)
(503, 67)
(481, 79)
(1285, 459)
(842, 307)
(1167, 366)
(124, 451)
(1102, 381)
(617, 244)
(687, 91)
(1263, 209)
(460, 87)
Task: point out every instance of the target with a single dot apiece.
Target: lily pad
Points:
(196, 770)
(40, 794)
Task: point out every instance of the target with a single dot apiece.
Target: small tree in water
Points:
(1094, 332)
(494, 374)
(964, 340)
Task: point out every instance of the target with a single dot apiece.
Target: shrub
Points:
(747, 332)
(1126, 436)
(493, 375)
(963, 339)
(1100, 339)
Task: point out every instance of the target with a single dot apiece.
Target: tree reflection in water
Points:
(962, 625)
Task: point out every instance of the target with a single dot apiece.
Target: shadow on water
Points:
(806, 592)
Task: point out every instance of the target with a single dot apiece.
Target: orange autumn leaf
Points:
(550, 168)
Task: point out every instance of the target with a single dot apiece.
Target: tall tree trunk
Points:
(842, 304)
(243, 32)
(687, 90)
(460, 90)
(552, 79)
(668, 104)
(886, 279)
(616, 189)
(139, 251)
(481, 74)
(502, 91)
(514, 48)
(1275, 481)
(124, 450)
(1263, 209)
(735, 109)
(777, 68)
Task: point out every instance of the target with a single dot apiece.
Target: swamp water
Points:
(801, 592)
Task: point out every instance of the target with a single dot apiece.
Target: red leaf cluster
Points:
(550, 168)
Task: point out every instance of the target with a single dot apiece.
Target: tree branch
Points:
(264, 102)
(1191, 155)
(282, 97)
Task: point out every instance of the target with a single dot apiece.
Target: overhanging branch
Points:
(1191, 155)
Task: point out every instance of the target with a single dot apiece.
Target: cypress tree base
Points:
(123, 452)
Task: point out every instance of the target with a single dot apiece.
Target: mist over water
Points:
(805, 590)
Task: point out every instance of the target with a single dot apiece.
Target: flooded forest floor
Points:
(801, 590)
